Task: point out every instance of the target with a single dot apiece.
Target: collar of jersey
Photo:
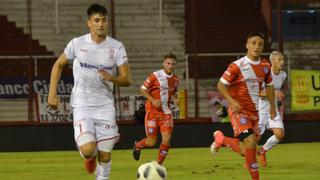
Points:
(166, 75)
(91, 41)
(251, 61)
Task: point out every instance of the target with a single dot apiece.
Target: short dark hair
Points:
(170, 55)
(96, 8)
(259, 34)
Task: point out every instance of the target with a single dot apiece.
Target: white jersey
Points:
(87, 58)
(277, 81)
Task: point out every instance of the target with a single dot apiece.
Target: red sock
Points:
(163, 151)
(252, 164)
(233, 143)
(141, 144)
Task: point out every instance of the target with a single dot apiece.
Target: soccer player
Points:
(240, 84)
(276, 125)
(160, 89)
(95, 57)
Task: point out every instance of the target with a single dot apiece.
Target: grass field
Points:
(287, 162)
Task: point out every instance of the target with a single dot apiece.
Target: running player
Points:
(160, 89)
(276, 124)
(241, 84)
(95, 57)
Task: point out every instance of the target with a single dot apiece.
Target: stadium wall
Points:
(53, 138)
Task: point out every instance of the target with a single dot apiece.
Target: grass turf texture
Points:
(287, 161)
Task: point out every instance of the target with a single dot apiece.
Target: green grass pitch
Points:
(286, 161)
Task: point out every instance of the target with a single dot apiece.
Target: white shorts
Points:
(96, 124)
(266, 123)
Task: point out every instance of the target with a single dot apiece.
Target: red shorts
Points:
(155, 122)
(244, 120)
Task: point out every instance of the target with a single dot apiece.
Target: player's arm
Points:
(56, 71)
(222, 88)
(271, 97)
(123, 79)
(281, 93)
(144, 91)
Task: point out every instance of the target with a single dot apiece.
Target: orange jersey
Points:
(160, 86)
(244, 79)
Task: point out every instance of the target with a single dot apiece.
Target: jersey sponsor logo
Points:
(243, 120)
(266, 70)
(92, 66)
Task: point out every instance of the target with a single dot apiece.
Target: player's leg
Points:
(220, 140)
(104, 158)
(84, 133)
(151, 130)
(245, 127)
(263, 125)
(276, 125)
(107, 137)
(249, 142)
(166, 128)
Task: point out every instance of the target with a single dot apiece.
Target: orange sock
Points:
(141, 144)
(163, 151)
(252, 164)
(233, 143)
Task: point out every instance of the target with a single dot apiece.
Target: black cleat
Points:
(135, 152)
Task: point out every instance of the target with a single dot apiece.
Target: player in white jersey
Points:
(276, 124)
(95, 57)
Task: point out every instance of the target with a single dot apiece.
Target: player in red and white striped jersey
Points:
(241, 84)
(160, 89)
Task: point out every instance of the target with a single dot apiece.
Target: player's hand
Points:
(53, 101)
(273, 113)
(263, 93)
(279, 95)
(157, 103)
(175, 99)
(105, 75)
(235, 106)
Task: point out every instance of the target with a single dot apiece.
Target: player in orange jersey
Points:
(160, 90)
(240, 84)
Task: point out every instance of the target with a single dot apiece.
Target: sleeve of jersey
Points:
(230, 74)
(148, 82)
(69, 50)
(121, 55)
(269, 77)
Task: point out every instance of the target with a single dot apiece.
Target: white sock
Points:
(271, 142)
(103, 170)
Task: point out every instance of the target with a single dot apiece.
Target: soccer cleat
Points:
(90, 164)
(262, 157)
(135, 152)
(218, 141)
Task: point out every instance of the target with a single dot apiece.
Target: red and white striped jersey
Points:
(244, 78)
(160, 86)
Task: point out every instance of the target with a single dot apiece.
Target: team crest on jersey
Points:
(243, 120)
(266, 70)
(111, 53)
(150, 130)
